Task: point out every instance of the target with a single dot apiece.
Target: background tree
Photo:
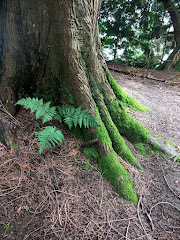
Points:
(51, 49)
(142, 29)
(173, 8)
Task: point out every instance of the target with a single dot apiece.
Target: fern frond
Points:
(65, 109)
(58, 117)
(49, 137)
(68, 120)
(77, 116)
(42, 109)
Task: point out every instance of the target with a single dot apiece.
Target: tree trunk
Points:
(51, 49)
(174, 57)
(115, 50)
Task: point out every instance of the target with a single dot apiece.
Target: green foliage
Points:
(76, 116)
(141, 30)
(42, 109)
(50, 136)
(91, 153)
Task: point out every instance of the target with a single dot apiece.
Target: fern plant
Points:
(50, 136)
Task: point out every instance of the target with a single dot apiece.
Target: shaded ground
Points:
(60, 195)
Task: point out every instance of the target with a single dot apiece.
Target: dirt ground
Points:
(163, 100)
(60, 194)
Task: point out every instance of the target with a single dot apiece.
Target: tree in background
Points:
(141, 29)
(173, 8)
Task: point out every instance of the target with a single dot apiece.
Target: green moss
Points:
(91, 153)
(118, 176)
(178, 158)
(117, 141)
(142, 148)
(111, 167)
(126, 125)
(101, 132)
(169, 143)
(155, 146)
(123, 97)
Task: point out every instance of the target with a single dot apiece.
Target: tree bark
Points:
(51, 50)
(174, 57)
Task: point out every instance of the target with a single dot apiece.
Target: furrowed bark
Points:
(51, 50)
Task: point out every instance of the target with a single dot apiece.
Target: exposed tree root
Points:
(167, 149)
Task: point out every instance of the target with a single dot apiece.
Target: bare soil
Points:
(56, 196)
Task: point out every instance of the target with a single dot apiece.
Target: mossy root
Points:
(123, 97)
(118, 142)
(111, 167)
(126, 125)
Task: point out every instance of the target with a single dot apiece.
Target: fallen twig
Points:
(163, 203)
(127, 229)
(140, 218)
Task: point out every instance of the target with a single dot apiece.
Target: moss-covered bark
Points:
(61, 60)
(111, 167)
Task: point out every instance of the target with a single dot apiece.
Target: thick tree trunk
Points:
(174, 57)
(51, 49)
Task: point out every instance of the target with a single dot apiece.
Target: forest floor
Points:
(61, 195)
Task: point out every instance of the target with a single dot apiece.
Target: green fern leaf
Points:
(75, 120)
(24, 102)
(36, 103)
(69, 121)
(58, 117)
(49, 114)
(78, 110)
(42, 109)
(80, 120)
(48, 137)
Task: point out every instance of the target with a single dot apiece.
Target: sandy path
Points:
(161, 98)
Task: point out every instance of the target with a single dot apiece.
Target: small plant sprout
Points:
(6, 228)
